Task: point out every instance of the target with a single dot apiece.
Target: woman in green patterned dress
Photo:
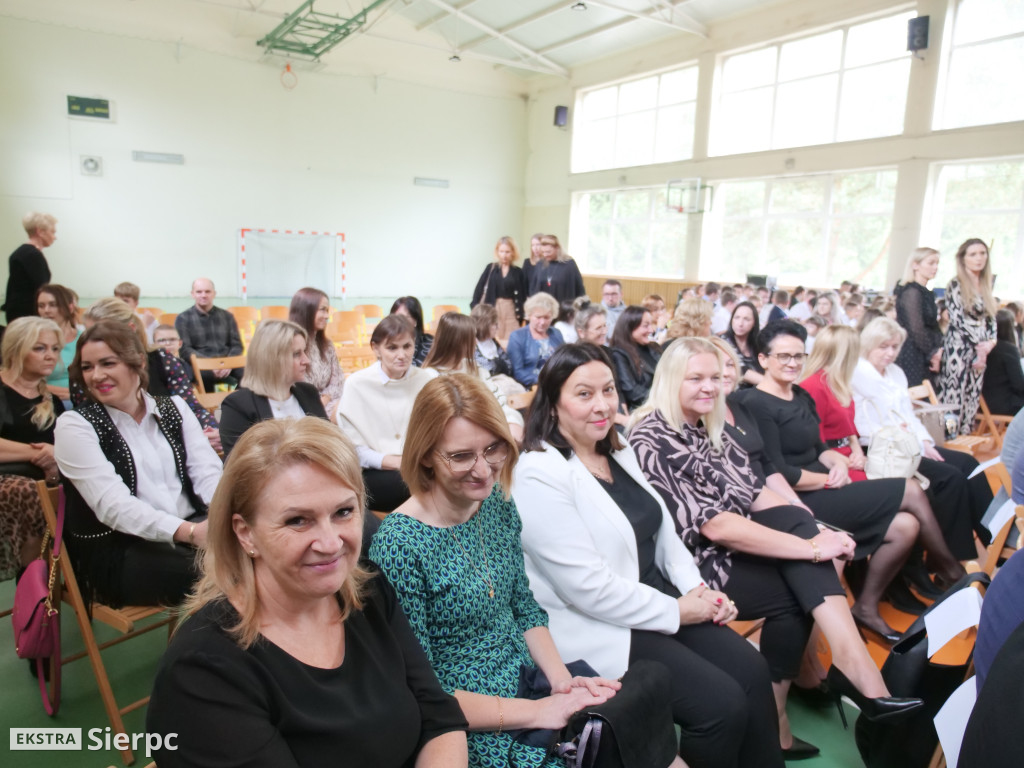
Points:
(452, 553)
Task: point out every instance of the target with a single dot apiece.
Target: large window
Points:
(983, 82)
(814, 230)
(983, 200)
(639, 122)
(628, 232)
(841, 85)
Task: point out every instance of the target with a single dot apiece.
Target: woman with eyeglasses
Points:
(874, 512)
(453, 554)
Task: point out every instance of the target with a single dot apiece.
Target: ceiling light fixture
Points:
(578, 7)
(455, 58)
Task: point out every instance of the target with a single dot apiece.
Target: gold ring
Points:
(732, 603)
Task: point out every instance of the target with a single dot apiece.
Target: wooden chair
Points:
(370, 311)
(999, 549)
(442, 309)
(991, 425)
(521, 400)
(354, 358)
(213, 364)
(274, 312)
(247, 319)
(344, 333)
(154, 311)
(924, 394)
(211, 401)
(124, 620)
(167, 318)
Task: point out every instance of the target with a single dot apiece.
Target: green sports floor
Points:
(131, 667)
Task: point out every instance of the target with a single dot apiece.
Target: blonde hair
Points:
(916, 257)
(836, 349)
(691, 318)
(261, 453)
(984, 279)
(507, 240)
(458, 395)
(668, 379)
(34, 221)
(880, 330)
(117, 311)
(19, 338)
(541, 301)
(728, 350)
(268, 369)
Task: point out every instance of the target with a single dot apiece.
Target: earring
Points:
(252, 553)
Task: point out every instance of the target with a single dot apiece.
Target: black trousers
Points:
(784, 592)
(385, 489)
(958, 503)
(155, 573)
(722, 696)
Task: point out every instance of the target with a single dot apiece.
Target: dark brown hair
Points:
(302, 312)
(123, 341)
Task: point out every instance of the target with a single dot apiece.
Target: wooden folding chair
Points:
(167, 318)
(924, 394)
(274, 312)
(124, 620)
(443, 309)
(991, 425)
(354, 358)
(200, 364)
(370, 311)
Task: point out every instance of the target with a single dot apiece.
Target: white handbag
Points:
(894, 451)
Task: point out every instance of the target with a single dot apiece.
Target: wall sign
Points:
(81, 106)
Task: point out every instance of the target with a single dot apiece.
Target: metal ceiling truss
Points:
(309, 34)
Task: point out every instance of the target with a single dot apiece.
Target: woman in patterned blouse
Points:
(776, 562)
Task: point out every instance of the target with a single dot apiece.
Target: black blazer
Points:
(486, 290)
(243, 408)
(1003, 385)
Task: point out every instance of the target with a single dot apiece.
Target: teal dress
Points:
(60, 376)
(474, 642)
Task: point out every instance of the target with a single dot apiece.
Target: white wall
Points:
(549, 185)
(337, 153)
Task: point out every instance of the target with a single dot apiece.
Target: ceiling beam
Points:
(525, 21)
(443, 15)
(689, 24)
(497, 35)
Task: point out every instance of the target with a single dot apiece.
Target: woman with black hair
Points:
(410, 307)
(744, 326)
(1003, 385)
(634, 354)
(603, 558)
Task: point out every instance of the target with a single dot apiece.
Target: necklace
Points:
(599, 472)
(488, 579)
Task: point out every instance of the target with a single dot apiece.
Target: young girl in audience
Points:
(375, 408)
(410, 307)
(310, 310)
(57, 303)
(140, 474)
(971, 334)
(274, 385)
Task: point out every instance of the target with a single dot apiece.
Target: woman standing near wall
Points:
(503, 285)
(972, 331)
(921, 355)
(558, 274)
(27, 267)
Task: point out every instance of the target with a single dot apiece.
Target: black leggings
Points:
(722, 696)
(385, 490)
(784, 592)
(155, 573)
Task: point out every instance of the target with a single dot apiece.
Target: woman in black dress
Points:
(410, 307)
(744, 326)
(921, 355)
(1003, 385)
(635, 355)
(503, 286)
(557, 273)
(27, 267)
(874, 511)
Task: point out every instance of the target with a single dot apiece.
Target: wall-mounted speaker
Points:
(561, 116)
(917, 34)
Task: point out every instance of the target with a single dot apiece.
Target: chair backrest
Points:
(369, 310)
(274, 312)
(214, 364)
(991, 425)
(521, 400)
(167, 318)
(443, 309)
(923, 392)
(354, 358)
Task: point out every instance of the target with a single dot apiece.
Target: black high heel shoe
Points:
(888, 635)
(882, 709)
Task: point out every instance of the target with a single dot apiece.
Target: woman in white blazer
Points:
(604, 560)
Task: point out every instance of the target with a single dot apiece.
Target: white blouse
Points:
(875, 395)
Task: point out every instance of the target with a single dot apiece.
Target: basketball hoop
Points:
(288, 78)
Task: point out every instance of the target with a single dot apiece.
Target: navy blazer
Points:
(243, 408)
(524, 353)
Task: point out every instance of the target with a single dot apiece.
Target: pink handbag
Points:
(37, 619)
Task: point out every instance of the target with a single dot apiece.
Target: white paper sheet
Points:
(983, 466)
(1004, 513)
(951, 617)
(951, 720)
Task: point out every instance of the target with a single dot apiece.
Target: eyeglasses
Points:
(464, 461)
(785, 358)
(167, 342)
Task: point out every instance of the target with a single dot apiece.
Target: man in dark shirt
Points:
(209, 331)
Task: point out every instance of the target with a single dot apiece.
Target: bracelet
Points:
(501, 716)
(795, 502)
(817, 552)
(192, 535)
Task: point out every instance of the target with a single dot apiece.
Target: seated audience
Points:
(826, 306)
(452, 553)
(167, 375)
(531, 346)
(778, 305)
(591, 323)
(564, 324)
(724, 307)
(294, 654)
(1016, 308)
(57, 303)
(634, 355)
(802, 309)
(140, 473)
(274, 386)
(375, 408)
(310, 310)
(603, 558)
(611, 300)
(129, 293)
(853, 310)
(166, 337)
(879, 391)
(1013, 447)
(1003, 384)
(770, 553)
(812, 326)
(654, 304)
(692, 318)
(490, 356)
(503, 286)
(31, 348)
(874, 512)
(410, 307)
(744, 326)
(454, 351)
(209, 331)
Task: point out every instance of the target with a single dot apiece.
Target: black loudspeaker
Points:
(917, 34)
(561, 116)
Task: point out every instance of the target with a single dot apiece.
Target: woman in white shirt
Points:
(375, 408)
(881, 398)
(140, 473)
(274, 385)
